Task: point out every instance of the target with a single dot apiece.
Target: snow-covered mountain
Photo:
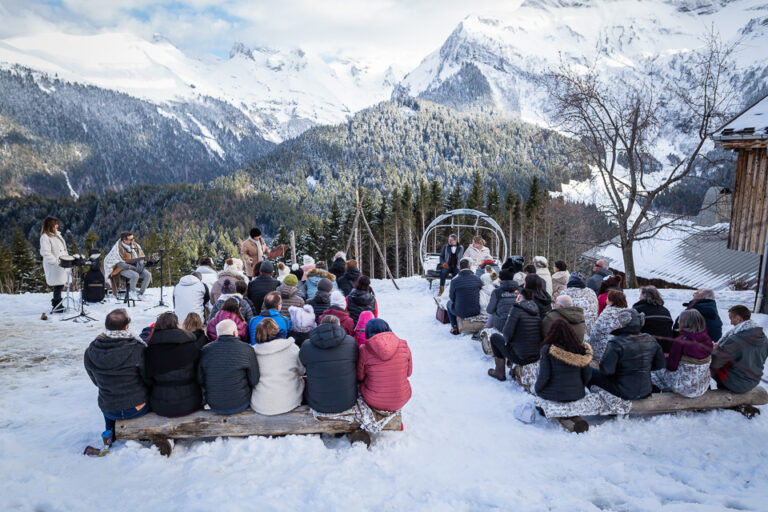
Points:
(491, 64)
(283, 92)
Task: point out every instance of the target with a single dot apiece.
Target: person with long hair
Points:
(564, 370)
(194, 324)
(560, 278)
(687, 371)
(543, 299)
(52, 247)
(281, 383)
(230, 310)
(171, 366)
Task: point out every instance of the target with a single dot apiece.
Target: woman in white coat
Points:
(52, 247)
(281, 385)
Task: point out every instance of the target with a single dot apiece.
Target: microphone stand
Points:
(162, 268)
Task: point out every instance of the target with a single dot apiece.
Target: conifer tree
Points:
(492, 200)
(455, 198)
(27, 272)
(475, 196)
(437, 203)
(7, 282)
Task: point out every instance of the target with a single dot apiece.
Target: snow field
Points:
(461, 449)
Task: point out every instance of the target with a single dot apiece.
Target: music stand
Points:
(82, 314)
(160, 304)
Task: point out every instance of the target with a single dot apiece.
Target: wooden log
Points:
(247, 423)
(713, 399)
(574, 424)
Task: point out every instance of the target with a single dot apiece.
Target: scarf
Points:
(743, 326)
(125, 333)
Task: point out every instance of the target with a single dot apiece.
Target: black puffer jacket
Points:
(359, 301)
(502, 300)
(171, 367)
(465, 294)
(330, 357)
(563, 375)
(337, 267)
(544, 301)
(320, 303)
(347, 281)
(116, 367)
(522, 331)
(629, 359)
(228, 371)
(259, 287)
(658, 322)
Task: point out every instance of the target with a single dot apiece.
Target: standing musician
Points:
(127, 259)
(254, 252)
(53, 247)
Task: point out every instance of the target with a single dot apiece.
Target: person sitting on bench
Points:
(171, 359)
(564, 370)
(450, 256)
(115, 363)
(502, 300)
(272, 305)
(383, 368)
(564, 309)
(281, 385)
(228, 371)
(631, 355)
(464, 295)
(521, 338)
(330, 357)
(739, 356)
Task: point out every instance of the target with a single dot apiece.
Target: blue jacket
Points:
(283, 324)
(465, 294)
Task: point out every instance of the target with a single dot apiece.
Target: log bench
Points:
(672, 402)
(205, 423)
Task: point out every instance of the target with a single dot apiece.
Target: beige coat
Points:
(559, 282)
(281, 385)
(252, 252)
(51, 248)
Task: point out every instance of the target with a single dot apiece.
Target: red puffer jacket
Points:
(383, 368)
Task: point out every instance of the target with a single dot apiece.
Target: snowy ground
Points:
(462, 448)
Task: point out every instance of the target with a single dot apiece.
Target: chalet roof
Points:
(687, 255)
(751, 124)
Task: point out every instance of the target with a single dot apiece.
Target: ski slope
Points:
(462, 448)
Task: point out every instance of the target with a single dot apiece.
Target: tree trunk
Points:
(397, 248)
(371, 259)
(411, 270)
(629, 263)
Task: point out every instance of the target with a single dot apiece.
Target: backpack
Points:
(94, 285)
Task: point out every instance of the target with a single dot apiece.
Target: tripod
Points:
(160, 304)
(67, 303)
(82, 315)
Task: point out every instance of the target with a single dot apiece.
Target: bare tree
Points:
(619, 123)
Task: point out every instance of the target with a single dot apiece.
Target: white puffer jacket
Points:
(189, 297)
(51, 248)
(281, 385)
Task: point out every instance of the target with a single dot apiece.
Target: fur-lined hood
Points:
(321, 273)
(569, 358)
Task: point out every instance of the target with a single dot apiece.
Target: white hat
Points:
(309, 260)
(338, 299)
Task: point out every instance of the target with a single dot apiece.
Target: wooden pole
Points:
(293, 247)
(352, 234)
(381, 255)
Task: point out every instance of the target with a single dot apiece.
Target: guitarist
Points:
(127, 259)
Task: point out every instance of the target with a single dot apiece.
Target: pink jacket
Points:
(360, 327)
(242, 327)
(383, 368)
(306, 269)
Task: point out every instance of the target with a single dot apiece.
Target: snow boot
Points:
(442, 289)
(57, 306)
(498, 372)
(360, 436)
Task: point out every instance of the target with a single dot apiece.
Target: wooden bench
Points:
(672, 402)
(470, 326)
(203, 424)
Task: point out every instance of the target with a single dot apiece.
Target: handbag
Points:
(442, 315)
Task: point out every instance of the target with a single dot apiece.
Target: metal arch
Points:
(494, 226)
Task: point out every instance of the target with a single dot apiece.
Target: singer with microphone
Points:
(52, 248)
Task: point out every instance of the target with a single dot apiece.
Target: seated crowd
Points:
(589, 336)
(268, 344)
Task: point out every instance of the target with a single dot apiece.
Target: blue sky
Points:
(394, 30)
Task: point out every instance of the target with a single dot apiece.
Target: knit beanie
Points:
(325, 285)
(338, 300)
(376, 326)
(309, 260)
(291, 280)
(228, 287)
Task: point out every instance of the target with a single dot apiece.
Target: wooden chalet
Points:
(747, 134)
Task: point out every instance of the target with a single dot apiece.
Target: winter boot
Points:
(498, 372)
(360, 436)
(442, 289)
(57, 306)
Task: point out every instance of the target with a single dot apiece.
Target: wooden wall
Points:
(749, 218)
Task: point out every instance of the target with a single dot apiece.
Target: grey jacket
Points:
(228, 371)
(116, 367)
(597, 279)
(744, 354)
